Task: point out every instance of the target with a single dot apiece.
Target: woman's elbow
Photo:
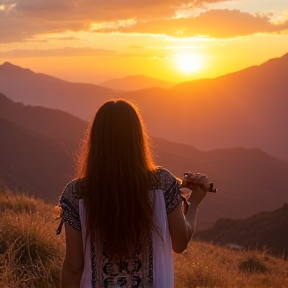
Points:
(180, 248)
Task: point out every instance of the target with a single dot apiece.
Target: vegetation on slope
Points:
(31, 254)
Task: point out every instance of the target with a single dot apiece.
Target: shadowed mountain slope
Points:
(264, 230)
(57, 125)
(33, 163)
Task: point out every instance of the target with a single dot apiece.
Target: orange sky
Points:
(92, 41)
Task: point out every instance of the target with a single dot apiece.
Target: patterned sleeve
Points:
(70, 206)
(172, 194)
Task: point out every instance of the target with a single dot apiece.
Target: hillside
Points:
(33, 163)
(135, 82)
(265, 230)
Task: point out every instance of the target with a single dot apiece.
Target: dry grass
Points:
(206, 265)
(31, 254)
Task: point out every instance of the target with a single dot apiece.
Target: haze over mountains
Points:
(135, 82)
(242, 109)
(39, 144)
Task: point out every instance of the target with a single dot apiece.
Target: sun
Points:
(188, 62)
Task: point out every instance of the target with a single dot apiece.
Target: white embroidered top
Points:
(157, 270)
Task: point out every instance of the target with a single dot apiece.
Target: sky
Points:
(91, 41)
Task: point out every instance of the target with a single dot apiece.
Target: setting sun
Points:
(188, 62)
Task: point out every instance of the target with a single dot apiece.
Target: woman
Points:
(123, 215)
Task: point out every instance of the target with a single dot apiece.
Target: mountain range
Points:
(242, 109)
(38, 149)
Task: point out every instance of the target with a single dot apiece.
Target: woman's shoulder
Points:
(162, 179)
(74, 189)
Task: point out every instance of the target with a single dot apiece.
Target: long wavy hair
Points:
(116, 167)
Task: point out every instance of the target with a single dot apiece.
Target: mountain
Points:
(242, 109)
(63, 128)
(23, 85)
(35, 160)
(33, 163)
(266, 230)
(135, 82)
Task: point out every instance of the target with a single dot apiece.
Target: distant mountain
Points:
(32, 155)
(33, 163)
(248, 180)
(135, 82)
(242, 109)
(266, 230)
(23, 85)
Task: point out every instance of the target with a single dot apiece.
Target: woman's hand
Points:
(199, 184)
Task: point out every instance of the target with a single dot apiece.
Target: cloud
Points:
(21, 19)
(213, 23)
(65, 52)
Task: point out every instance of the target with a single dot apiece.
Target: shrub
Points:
(252, 264)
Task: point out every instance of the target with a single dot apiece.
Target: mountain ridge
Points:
(264, 230)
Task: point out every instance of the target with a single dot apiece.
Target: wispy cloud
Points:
(213, 23)
(65, 52)
(85, 51)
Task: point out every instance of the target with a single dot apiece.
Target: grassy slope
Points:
(30, 251)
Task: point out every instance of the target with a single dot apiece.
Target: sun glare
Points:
(188, 62)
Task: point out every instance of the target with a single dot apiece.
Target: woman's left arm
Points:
(73, 264)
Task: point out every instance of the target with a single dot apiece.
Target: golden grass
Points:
(31, 253)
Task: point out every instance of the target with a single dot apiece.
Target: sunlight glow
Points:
(7, 7)
(188, 62)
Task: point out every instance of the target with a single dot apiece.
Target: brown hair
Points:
(115, 169)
